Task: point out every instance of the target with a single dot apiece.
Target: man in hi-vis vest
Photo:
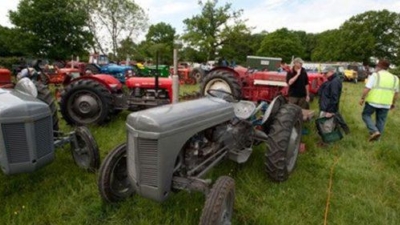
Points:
(379, 95)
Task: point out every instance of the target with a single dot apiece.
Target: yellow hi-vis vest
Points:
(384, 88)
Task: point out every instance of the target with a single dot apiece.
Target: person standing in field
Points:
(379, 95)
(297, 80)
(329, 97)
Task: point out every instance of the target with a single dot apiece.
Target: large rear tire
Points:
(218, 208)
(283, 142)
(113, 183)
(45, 96)
(86, 102)
(221, 79)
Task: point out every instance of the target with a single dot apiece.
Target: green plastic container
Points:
(333, 134)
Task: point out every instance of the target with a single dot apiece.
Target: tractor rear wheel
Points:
(45, 96)
(113, 183)
(86, 102)
(283, 142)
(218, 208)
(221, 79)
(197, 74)
(92, 68)
(86, 152)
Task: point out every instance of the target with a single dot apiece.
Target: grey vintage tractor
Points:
(29, 131)
(172, 147)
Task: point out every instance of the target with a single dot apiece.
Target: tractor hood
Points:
(16, 104)
(116, 67)
(175, 118)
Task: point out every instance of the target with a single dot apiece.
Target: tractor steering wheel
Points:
(219, 93)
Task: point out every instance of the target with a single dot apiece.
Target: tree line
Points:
(57, 29)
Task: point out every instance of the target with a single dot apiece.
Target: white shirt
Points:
(370, 84)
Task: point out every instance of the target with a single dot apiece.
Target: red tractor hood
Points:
(148, 82)
(270, 78)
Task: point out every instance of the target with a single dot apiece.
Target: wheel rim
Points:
(84, 107)
(226, 214)
(293, 146)
(81, 153)
(218, 84)
(119, 177)
(197, 77)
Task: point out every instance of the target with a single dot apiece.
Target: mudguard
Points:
(273, 108)
(110, 82)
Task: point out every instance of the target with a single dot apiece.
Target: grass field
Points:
(365, 184)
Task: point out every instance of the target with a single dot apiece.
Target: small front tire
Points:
(113, 183)
(86, 154)
(218, 208)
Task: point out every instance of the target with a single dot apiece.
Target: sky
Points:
(312, 16)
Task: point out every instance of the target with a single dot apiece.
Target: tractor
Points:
(95, 98)
(172, 147)
(58, 76)
(99, 64)
(29, 131)
(253, 85)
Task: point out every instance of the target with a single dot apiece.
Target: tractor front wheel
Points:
(113, 183)
(221, 80)
(218, 208)
(86, 102)
(197, 74)
(85, 151)
(283, 142)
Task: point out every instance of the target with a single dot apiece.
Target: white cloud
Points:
(313, 15)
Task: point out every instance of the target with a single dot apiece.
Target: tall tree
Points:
(51, 28)
(282, 43)
(373, 33)
(328, 47)
(211, 29)
(112, 21)
(160, 37)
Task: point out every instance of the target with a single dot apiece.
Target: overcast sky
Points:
(311, 16)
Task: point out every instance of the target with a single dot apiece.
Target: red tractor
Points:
(5, 78)
(253, 85)
(95, 98)
(54, 75)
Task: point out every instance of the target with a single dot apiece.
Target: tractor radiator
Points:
(27, 146)
(145, 158)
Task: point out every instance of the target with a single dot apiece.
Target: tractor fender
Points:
(225, 68)
(273, 108)
(108, 81)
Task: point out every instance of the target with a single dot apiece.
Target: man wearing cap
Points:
(297, 79)
(379, 95)
(329, 97)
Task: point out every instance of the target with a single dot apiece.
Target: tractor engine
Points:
(26, 133)
(143, 91)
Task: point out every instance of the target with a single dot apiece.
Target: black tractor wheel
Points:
(113, 183)
(218, 208)
(197, 74)
(85, 151)
(45, 96)
(283, 142)
(86, 102)
(221, 79)
(92, 68)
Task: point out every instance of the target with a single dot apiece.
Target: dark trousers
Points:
(380, 118)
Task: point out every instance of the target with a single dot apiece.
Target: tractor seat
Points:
(244, 109)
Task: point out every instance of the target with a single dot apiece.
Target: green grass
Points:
(365, 186)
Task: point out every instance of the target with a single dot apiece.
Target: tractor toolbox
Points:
(26, 133)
